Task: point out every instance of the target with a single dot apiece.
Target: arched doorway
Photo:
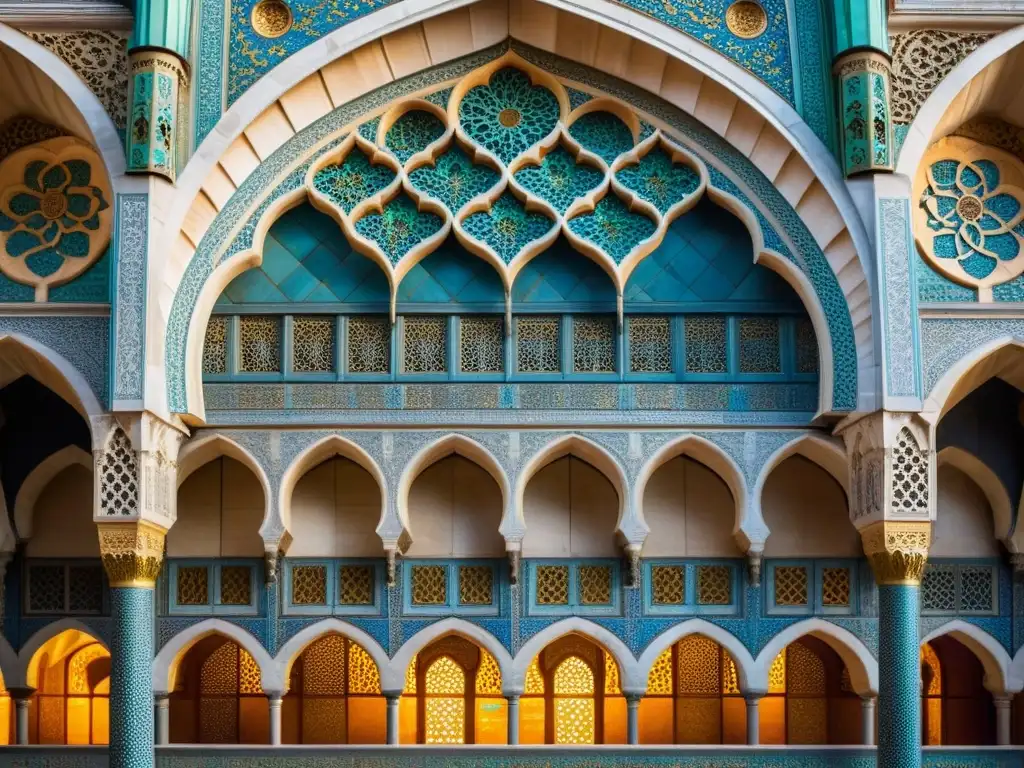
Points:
(693, 696)
(453, 696)
(334, 696)
(810, 698)
(217, 696)
(572, 696)
(956, 710)
(71, 705)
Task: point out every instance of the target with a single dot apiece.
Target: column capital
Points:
(897, 550)
(132, 552)
(753, 697)
(21, 692)
(1002, 701)
(633, 697)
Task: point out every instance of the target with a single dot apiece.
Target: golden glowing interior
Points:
(574, 702)
(445, 706)
(71, 675)
(931, 690)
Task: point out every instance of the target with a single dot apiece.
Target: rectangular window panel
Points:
(650, 344)
(705, 344)
(309, 585)
(425, 344)
(236, 585)
(806, 347)
(595, 584)
(481, 345)
(668, 584)
(46, 589)
(538, 340)
(476, 585)
(552, 585)
(976, 591)
(429, 585)
(714, 585)
(193, 586)
(260, 344)
(938, 588)
(85, 589)
(593, 344)
(313, 345)
(759, 345)
(369, 344)
(835, 587)
(356, 585)
(215, 347)
(790, 585)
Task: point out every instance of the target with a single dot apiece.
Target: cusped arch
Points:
(1000, 676)
(205, 448)
(394, 679)
(292, 649)
(750, 531)
(513, 527)
(37, 481)
(860, 662)
(41, 637)
(630, 676)
(438, 449)
(745, 665)
(989, 483)
(807, 195)
(165, 665)
(320, 451)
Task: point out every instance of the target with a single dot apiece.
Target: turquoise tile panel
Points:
(562, 273)
(452, 275)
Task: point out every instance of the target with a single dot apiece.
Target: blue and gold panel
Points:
(332, 586)
(691, 587)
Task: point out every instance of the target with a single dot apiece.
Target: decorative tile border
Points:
(902, 354)
(945, 340)
(129, 308)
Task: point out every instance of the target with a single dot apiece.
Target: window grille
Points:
(64, 588)
(538, 344)
(476, 585)
(313, 344)
(706, 344)
(356, 585)
(425, 344)
(595, 584)
(668, 584)
(650, 344)
(714, 585)
(835, 587)
(309, 585)
(759, 345)
(215, 346)
(481, 345)
(790, 585)
(552, 585)
(260, 344)
(429, 585)
(369, 344)
(593, 344)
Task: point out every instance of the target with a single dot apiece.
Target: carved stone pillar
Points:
(134, 506)
(865, 96)
(158, 92)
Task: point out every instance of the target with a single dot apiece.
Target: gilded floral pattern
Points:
(55, 214)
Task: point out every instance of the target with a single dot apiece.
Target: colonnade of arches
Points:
(459, 686)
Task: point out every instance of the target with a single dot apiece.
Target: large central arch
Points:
(762, 154)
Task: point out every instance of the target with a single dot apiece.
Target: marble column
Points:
(275, 717)
(753, 701)
(392, 717)
(513, 718)
(22, 698)
(1004, 720)
(633, 717)
(867, 720)
(132, 553)
(898, 551)
(162, 718)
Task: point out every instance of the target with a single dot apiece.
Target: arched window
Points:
(572, 696)
(453, 695)
(334, 696)
(218, 697)
(810, 699)
(956, 709)
(72, 699)
(693, 696)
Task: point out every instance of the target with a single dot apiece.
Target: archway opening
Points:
(218, 697)
(810, 697)
(453, 695)
(220, 510)
(956, 710)
(572, 695)
(71, 705)
(334, 695)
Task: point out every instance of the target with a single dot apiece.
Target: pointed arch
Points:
(292, 649)
(37, 481)
(632, 680)
(989, 483)
(858, 659)
(983, 361)
(165, 665)
(395, 678)
(440, 448)
(320, 451)
(41, 637)
(1000, 679)
(748, 529)
(582, 448)
(745, 665)
(27, 356)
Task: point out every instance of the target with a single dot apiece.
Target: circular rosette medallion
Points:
(55, 212)
(969, 221)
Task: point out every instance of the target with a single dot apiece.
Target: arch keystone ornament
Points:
(969, 218)
(55, 212)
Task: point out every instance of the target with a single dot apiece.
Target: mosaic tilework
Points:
(131, 692)
(899, 726)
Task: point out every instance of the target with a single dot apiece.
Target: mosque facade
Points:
(511, 383)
